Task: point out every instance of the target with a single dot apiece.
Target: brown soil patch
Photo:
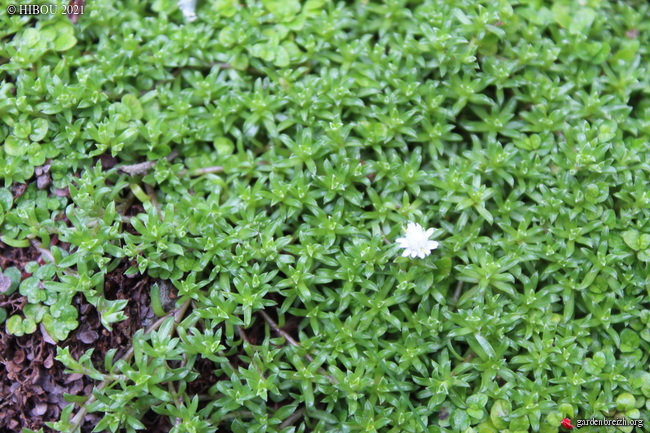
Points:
(32, 382)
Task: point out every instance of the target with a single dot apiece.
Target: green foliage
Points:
(290, 142)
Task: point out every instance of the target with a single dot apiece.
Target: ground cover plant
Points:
(200, 214)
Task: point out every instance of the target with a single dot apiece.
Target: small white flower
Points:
(416, 241)
(188, 7)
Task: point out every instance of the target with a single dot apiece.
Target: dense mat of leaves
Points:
(290, 144)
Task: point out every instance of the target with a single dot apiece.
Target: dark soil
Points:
(32, 382)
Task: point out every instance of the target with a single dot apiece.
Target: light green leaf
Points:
(581, 20)
(39, 129)
(631, 238)
(31, 37)
(282, 8)
(15, 147)
(64, 42)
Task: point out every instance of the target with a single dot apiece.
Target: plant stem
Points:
(152, 195)
(293, 418)
(244, 337)
(201, 171)
(459, 289)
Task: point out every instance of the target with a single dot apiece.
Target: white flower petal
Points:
(416, 241)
